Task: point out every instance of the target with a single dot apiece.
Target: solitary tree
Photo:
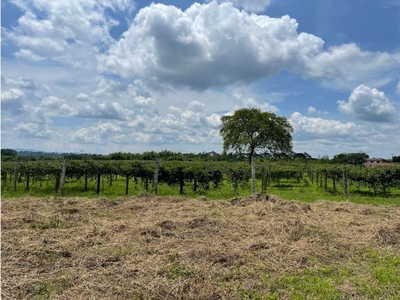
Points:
(249, 130)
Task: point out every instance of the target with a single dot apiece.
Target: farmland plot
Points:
(150, 247)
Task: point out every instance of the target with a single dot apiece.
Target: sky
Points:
(103, 76)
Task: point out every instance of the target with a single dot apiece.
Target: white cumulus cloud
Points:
(319, 127)
(311, 110)
(102, 110)
(368, 104)
(56, 106)
(12, 101)
(211, 45)
(12, 94)
(99, 134)
(32, 130)
(19, 82)
(347, 63)
(69, 31)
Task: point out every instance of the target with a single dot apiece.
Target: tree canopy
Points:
(249, 130)
(350, 158)
(9, 152)
(396, 159)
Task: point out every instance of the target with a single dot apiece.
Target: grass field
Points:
(178, 248)
(285, 189)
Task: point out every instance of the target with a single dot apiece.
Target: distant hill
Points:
(26, 150)
(35, 153)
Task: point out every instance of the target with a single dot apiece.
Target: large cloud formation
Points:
(368, 104)
(211, 45)
(319, 127)
(68, 31)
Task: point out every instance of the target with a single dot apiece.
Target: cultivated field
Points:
(175, 248)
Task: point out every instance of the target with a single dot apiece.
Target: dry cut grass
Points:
(174, 248)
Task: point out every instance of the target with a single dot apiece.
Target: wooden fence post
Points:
(98, 183)
(15, 179)
(156, 178)
(127, 185)
(63, 170)
(86, 181)
(57, 186)
(334, 184)
(320, 178)
(253, 177)
(345, 185)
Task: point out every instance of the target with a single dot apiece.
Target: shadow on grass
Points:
(371, 194)
(285, 185)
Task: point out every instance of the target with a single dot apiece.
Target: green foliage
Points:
(350, 158)
(238, 175)
(307, 181)
(8, 154)
(249, 130)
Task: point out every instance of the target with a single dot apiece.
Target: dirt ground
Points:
(175, 248)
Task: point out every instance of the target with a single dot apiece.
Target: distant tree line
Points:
(342, 158)
(350, 158)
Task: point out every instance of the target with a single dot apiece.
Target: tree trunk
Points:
(251, 155)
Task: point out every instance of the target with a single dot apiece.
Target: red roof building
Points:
(376, 162)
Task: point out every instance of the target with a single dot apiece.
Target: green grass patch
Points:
(175, 271)
(369, 275)
(288, 189)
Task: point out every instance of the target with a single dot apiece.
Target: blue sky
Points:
(118, 75)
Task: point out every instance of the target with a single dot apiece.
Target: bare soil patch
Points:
(174, 248)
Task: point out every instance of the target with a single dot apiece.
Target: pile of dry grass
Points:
(176, 248)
